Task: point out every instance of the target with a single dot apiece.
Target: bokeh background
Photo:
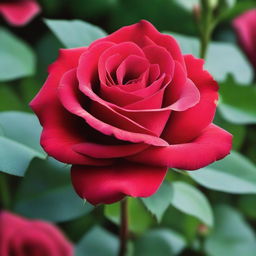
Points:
(208, 212)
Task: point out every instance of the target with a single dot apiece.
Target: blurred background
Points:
(213, 211)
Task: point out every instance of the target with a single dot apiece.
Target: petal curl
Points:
(213, 144)
(60, 129)
(187, 125)
(110, 184)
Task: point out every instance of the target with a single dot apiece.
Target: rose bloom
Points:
(20, 236)
(19, 12)
(126, 108)
(245, 27)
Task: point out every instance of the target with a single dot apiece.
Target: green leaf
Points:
(231, 236)
(98, 242)
(47, 193)
(222, 58)
(189, 200)
(159, 242)
(75, 33)
(238, 103)
(233, 174)
(185, 224)
(225, 58)
(246, 205)
(139, 218)
(47, 50)
(16, 58)
(158, 203)
(19, 143)
(9, 100)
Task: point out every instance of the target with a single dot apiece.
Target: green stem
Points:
(124, 231)
(204, 44)
(206, 26)
(4, 192)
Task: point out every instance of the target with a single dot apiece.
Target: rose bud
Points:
(245, 28)
(19, 12)
(20, 236)
(125, 109)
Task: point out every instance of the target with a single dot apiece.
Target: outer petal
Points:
(187, 125)
(213, 144)
(110, 184)
(60, 129)
(19, 13)
(144, 34)
(245, 27)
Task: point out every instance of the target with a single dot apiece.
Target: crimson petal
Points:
(182, 126)
(110, 184)
(213, 144)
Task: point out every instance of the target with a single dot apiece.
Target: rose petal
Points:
(154, 101)
(59, 138)
(154, 121)
(87, 69)
(115, 95)
(111, 184)
(19, 13)
(187, 125)
(213, 144)
(152, 88)
(159, 55)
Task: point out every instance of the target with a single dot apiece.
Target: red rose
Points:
(19, 236)
(245, 27)
(125, 109)
(19, 12)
